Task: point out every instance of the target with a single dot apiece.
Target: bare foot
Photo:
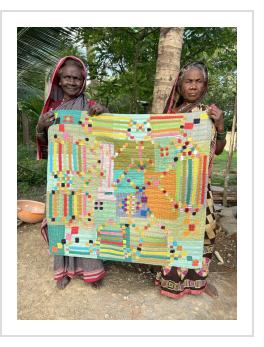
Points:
(211, 290)
(61, 284)
(97, 284)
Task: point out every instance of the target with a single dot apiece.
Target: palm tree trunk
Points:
(168, 65)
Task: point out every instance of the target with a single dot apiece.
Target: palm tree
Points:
(168, 65)
(38, 50)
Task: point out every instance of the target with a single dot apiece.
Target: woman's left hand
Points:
(217, 115)
(97, 109)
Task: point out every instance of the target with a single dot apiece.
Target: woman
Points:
(186, 96)
(66, 91)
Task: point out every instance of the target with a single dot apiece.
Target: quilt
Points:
(128, 187)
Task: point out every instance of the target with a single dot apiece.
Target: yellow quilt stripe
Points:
(115, 118)
(110, 134)
(111, 251)
(154, 253)
(75, 205)
(194, 182)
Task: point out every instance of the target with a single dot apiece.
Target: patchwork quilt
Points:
(128, 187)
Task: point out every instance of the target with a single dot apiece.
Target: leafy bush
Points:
(30, 172)
(218, 176)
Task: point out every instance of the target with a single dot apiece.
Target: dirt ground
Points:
(128, 288)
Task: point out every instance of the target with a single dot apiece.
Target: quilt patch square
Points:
(128, 187)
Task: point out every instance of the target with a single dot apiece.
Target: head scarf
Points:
(175, 99)
(55, 92)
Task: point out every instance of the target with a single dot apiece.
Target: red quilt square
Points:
(188, 125)
(61, 127)
(74, 230)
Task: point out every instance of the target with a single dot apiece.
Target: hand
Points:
(45, 121)
(217, 115)
(97, 109)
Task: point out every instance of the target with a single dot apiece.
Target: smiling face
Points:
(71, 81)
(192, 85)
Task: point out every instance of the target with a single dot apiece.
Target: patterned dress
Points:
(174, 281)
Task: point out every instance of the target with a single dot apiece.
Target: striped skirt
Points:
(91, 270)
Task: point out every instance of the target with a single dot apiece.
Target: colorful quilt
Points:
(128, 188)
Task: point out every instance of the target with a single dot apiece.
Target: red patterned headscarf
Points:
(55, 101)
(55, 92)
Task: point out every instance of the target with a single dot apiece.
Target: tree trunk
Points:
(168, 65)
(230, 154)
(134, 105)
(25, 125)
(19, 121)
(46, 90)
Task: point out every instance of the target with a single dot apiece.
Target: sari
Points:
(173, 281)
(91, 270)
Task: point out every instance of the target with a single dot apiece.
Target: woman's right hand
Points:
(45, 121)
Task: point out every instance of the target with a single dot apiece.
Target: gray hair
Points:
(178, 100)
(194, 65)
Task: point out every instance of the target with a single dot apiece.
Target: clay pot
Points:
(30, 211)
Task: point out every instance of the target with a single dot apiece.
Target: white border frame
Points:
(243, 20)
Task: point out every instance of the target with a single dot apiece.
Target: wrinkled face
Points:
(192, 85)
(71, 81)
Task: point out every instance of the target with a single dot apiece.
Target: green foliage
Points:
(122, 65)
(219, 168)
(38, 50)
(122, 62)
(31, 107)
(217, 48)
(30, 172)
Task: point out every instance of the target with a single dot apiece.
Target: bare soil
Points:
(128, 290)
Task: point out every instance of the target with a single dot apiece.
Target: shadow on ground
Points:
(128, 293)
